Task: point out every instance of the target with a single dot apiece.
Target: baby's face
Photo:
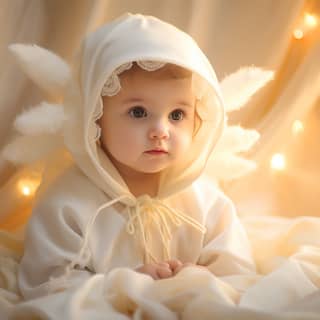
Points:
(149, 124)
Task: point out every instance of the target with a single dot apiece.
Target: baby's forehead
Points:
(152, 76)
(156, 82)
(169, 74)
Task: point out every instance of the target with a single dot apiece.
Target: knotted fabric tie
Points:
(144, 213)
(148, 212)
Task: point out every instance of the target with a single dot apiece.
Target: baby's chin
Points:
(152, 170)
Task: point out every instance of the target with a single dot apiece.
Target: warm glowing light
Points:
(28, 187)
(26, 191)
(278, 162)
(298, 34)
(297, 127)
(310, 20)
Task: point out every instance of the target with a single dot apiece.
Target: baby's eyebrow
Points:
(184, 103)
(133, 100)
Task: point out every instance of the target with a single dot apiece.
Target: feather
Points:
(46, 69)
(44, 118)
(28, 149)
(237, 139)
(238, 87)
(227, 166)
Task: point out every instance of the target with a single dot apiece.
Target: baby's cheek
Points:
(182, 146)
(186, 141)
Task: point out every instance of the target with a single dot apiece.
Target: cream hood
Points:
(137, 38)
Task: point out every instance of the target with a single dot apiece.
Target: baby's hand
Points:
(161, 270)
(187, 264)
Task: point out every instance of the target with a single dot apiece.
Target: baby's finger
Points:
(173, 264)
(163, 272)
(163, 264)
(152, 271)
(177, 270)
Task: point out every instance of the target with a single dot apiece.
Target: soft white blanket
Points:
(287, 253)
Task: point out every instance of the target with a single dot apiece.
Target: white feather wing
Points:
(46, 69)
(237, 139)
(41, 126)
(44, 118)
(28, 149)
(238, 87)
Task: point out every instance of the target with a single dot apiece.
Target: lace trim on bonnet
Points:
(112, 86)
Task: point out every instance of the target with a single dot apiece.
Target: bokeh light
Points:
(278, 162)
(297, 127)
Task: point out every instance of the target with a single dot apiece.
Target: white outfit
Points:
(87, 224)
(56, 229)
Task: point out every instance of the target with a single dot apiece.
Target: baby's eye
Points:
(176, 115)
(138, 112)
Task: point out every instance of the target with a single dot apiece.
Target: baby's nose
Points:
(159, 130)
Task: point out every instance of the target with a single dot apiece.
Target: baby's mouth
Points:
(156, 151)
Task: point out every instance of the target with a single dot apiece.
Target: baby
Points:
(153, 116)
(143, 114)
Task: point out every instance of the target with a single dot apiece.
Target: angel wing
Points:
(225, 163)
(43, 118)
(46, 69)
(29, 149)
(238, 87)
(39, 128)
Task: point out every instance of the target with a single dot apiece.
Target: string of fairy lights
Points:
(27, 187)
(305, 25)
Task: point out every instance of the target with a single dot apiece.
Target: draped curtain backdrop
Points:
(233, 33)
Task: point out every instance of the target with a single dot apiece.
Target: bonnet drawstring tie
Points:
(148, 211)
(144, 212)
(141, 216)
